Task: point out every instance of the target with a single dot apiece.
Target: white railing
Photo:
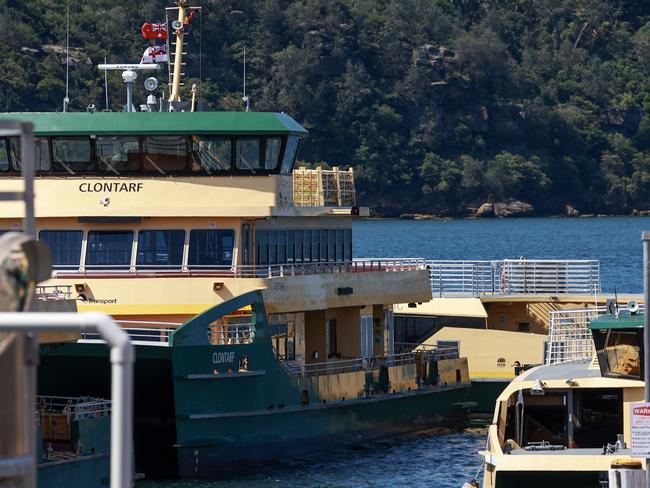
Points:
(323, 188)
(250, 271)
(569, 336)
(53, 292)
(514, 277)
(232, 333)
(75, 407)
(141, 331)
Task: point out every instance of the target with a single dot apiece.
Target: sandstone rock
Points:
(513, 208)
(485, 210)
(571, 211)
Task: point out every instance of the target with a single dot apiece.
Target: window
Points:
(347, 249)
(72, 154)
(41, 150)
(4, 155)
(117, 154)
(211, 154)
(109, 249)
(273, 145)
(210, 248)
(290, 154)
(291, 245)
(248, 153)
(332, 346)
(619, 352)
(164, 153)
(299, 247)
(65, 246)
(160, 248)
(273, 247)
(262, 238)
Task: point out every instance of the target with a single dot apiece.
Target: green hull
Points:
(484, 394)
(87, 471)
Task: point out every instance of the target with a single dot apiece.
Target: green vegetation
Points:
(440, 105)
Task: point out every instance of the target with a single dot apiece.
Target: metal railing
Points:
(53, 292)
(514, 277)
(232, 333)
(323, 188)
(74, 407)
(141, 331)
(569, 337)
(298, 368)
(249, 271)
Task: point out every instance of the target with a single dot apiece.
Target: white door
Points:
(366, 336)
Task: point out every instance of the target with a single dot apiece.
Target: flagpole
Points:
(178, 57)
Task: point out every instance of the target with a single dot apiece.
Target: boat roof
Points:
(624, 320)
(158, 123)
(444, 307)
(571, 369)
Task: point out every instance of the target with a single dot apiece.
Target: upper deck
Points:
(171, 164)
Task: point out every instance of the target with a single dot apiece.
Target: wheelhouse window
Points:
(116, 155)
(163, 154)
(160, 249)
(41, 154)
(280, 246)
(211, 154)
(4, 155)
(293, 142)
(72, 155)
(619, 352)
(65, 247)
(248, 154)
(211, 248)
(272, 153)
(108, 250)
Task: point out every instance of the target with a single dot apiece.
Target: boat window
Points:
(248, 154)
(65, 247)
(299, 246)
(291, 245)
(273, 247)
(41, 154)
(117, 154)
(4, 155)
(340, 245)
(306, 246)
(160, 249)
(290, 154)
(211, 154)
(163, 154)
(273, 145)
(262, 238)
(210, 248)
(316, 236)
(72, 155)
(619, 352)
(109, 250)
(347, 251)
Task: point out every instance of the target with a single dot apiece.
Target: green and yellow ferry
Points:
(256, 332)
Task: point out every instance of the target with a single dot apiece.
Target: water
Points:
(447, 459)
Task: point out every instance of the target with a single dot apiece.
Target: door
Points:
(366, 336)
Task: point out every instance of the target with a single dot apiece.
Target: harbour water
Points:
(435, 458)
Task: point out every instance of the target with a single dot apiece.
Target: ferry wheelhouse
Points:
(256, 332)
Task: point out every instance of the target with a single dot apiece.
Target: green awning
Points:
(625, 320)
(158, 123)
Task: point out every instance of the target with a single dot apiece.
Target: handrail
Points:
(76, 407)
(153, 333)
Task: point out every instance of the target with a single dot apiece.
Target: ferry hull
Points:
(225, 443)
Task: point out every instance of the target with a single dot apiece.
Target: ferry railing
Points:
(74, 407)
(569, 336)
(233, 333)
(53, 292)
(140, 331)
(245, 271)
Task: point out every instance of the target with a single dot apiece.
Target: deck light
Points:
(79, 287)
(217, 286)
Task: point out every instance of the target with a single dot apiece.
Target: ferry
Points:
(568, 422)
(257, 335)
(497, 313)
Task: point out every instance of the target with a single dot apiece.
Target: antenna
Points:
(106, 83)
(66, 100)
(245, 99)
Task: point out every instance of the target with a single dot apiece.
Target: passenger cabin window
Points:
(109, 250)
(116, 155)
(248, 154)
(65, 247)
(290, 154)
(41, 150)
(72, 155)
(4, 155)
(211, 248)
(163, 154)
(211, 154)
(160, 249)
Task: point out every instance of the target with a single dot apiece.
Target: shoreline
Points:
(437, 217)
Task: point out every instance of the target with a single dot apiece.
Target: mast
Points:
(174, 96)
